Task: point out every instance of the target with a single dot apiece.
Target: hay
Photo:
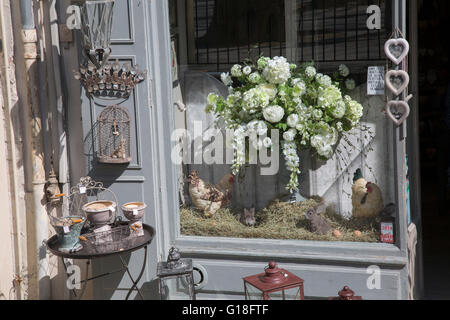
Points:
(280, 220)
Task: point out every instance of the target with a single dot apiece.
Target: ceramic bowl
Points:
(100, 213)
(134, 211)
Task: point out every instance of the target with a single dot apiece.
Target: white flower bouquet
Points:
(310, 109)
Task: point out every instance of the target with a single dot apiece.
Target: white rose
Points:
(310, 72)
(289, 135)
(247, 70)
(236, 70)
(292, 120)
(273, 114)
(254, 77)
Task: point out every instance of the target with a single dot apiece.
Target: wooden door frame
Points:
(413, 142)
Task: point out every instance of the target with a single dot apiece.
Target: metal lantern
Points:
(346, 294)
(274, 284)
(176, 279)
(96, 25)
(114, 135)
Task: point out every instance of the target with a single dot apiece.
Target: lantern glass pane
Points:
(179, 287)
(286, 294)
(252, 292)
(96, 21)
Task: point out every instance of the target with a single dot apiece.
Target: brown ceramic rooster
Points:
(210, 198)
(367, 199)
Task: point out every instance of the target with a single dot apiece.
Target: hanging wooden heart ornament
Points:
(396, 50)
(398, 111)
(397, 74)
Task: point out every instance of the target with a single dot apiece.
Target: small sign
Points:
(82, 189)
(387, 232)
(375, 81)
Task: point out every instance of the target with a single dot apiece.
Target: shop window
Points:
(208, 38)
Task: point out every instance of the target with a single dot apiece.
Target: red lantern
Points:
(273, 284)
(346, 294)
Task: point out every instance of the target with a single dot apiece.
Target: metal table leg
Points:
(135, 282)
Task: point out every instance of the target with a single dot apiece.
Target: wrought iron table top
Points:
(132, 244)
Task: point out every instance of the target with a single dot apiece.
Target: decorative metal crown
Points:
(113, 80)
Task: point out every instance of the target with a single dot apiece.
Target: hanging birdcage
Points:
(114, 135)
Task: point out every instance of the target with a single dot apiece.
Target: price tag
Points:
(387, 232)
(375, 81)
(82, 189)
(135, 212)
(66, 229)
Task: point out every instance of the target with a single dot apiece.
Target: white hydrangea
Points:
(247, 70)
(226, 79)
(234, 98)
(350, 84)
(323, 80)
(310, 72)
(329, 96)
(317, 114)
(299, 87)
(236, 70)
(255, 99)
(255, 77)
(277, 70)
(354, 110)
(273, 114)
(338, 109)
(290, 135)
(300, 127)
(324, 140)
(343, 70)
(262, 62)
(323, 149)
(270, 89)
(292, 120)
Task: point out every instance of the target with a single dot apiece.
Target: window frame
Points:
(381, 254)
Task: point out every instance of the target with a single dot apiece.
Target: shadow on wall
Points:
(116, 285)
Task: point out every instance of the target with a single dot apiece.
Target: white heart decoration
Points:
(396, 42)
(397, 73)
(400, 107)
